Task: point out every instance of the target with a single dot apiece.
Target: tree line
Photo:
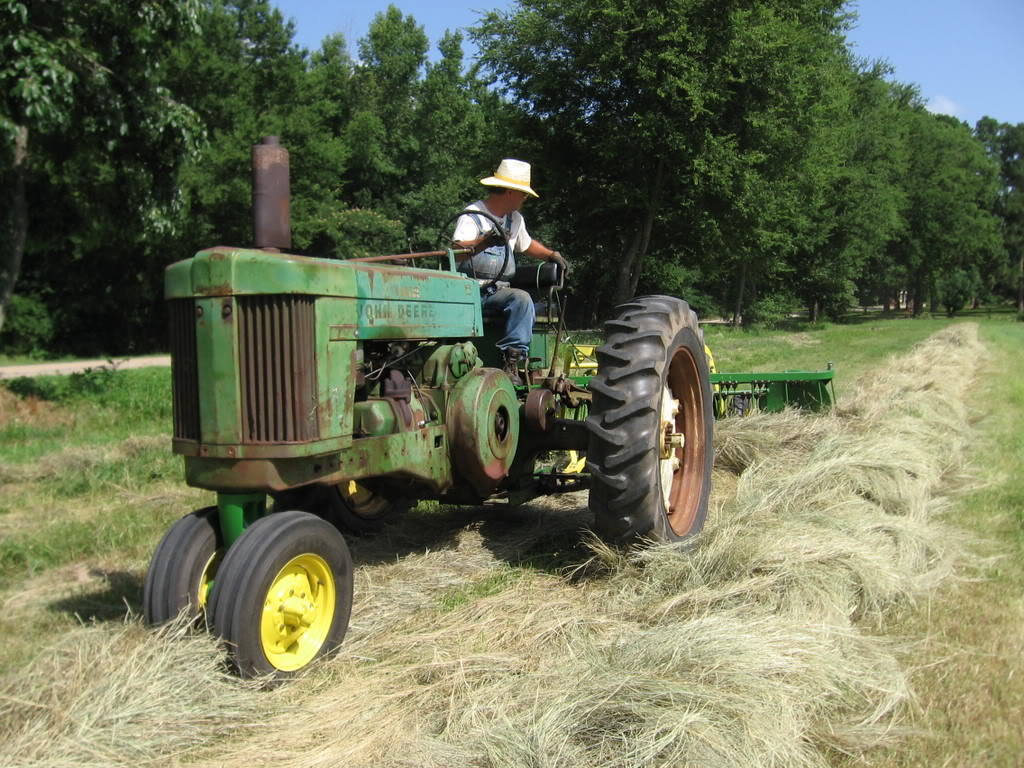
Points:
(735, 153)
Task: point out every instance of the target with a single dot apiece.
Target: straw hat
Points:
(511, 174)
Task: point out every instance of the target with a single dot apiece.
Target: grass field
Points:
(969, 639)
(505, 640)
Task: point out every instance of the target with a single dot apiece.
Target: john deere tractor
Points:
(318, 397)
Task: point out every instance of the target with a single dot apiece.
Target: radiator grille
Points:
(276, 338)
(185, 381)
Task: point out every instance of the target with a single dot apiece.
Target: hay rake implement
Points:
(738, 394)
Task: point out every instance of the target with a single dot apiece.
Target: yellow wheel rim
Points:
(719, 404)
(298, 612)
(209, 574)
(357, 495)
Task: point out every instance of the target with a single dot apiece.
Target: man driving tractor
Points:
(510, 186)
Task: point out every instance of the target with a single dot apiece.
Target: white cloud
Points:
(944, 105)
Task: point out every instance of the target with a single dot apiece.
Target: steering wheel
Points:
(498, 227)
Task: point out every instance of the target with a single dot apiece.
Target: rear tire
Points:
(283, 595)
(183, 565)
(652, 386)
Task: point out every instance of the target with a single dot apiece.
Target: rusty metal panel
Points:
(419, 455)
(276, 336)
(184, 371)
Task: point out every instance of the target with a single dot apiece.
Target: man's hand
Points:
(559, 259)
(496, 236)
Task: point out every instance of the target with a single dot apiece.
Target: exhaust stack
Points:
(271, 195)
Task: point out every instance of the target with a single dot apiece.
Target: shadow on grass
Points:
(859, 317)
(426, 528)
(997, 312)
(546, 534)
(117, 594)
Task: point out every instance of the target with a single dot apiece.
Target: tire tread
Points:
(624, 419)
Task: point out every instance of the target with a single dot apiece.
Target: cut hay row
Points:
(120, 696)
(506, 642)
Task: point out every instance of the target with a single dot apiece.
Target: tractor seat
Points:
(533, 278)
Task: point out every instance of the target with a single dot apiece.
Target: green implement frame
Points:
(737, 394)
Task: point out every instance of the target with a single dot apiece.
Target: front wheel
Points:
(283, 594)
(651, 424)
(183, 568)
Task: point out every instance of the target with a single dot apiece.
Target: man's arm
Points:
(475, 245)
(538, 250)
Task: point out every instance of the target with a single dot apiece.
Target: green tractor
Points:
(319, 397)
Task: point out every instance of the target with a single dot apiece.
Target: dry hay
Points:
(119, 696)
(801, 339)
(31, 411)
(759, 646)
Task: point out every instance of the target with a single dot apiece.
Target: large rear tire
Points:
(651, 423)
(182, 568)
(283, 594)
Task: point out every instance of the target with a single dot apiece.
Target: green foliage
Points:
(955, 289)
(28, 328)
(1004, 143)
(839, 300)
(92, 383)
(667, 277)
(355, 232)
(951, 188)
(102, 138)
(135, 395)
(853, 176)
(768, 311)
(733, 154)
(92, 57)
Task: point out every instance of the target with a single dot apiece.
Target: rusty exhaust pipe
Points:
(271, 196)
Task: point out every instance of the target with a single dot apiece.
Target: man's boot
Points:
(512, 358)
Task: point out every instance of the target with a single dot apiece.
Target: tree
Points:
(676, 127)
(955, 289)
(244, 77)
(1005, 144)
(454, 134)
(855, 201)
(951, 187)
(381, 132)
(83, 111)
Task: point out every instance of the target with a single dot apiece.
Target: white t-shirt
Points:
(467, 227)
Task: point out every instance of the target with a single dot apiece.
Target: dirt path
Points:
(77, 366)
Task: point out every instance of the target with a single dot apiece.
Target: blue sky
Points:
(967, 57)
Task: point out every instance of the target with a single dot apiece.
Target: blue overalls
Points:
(515, 304)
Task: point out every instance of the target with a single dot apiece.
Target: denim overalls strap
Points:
(486, 264)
